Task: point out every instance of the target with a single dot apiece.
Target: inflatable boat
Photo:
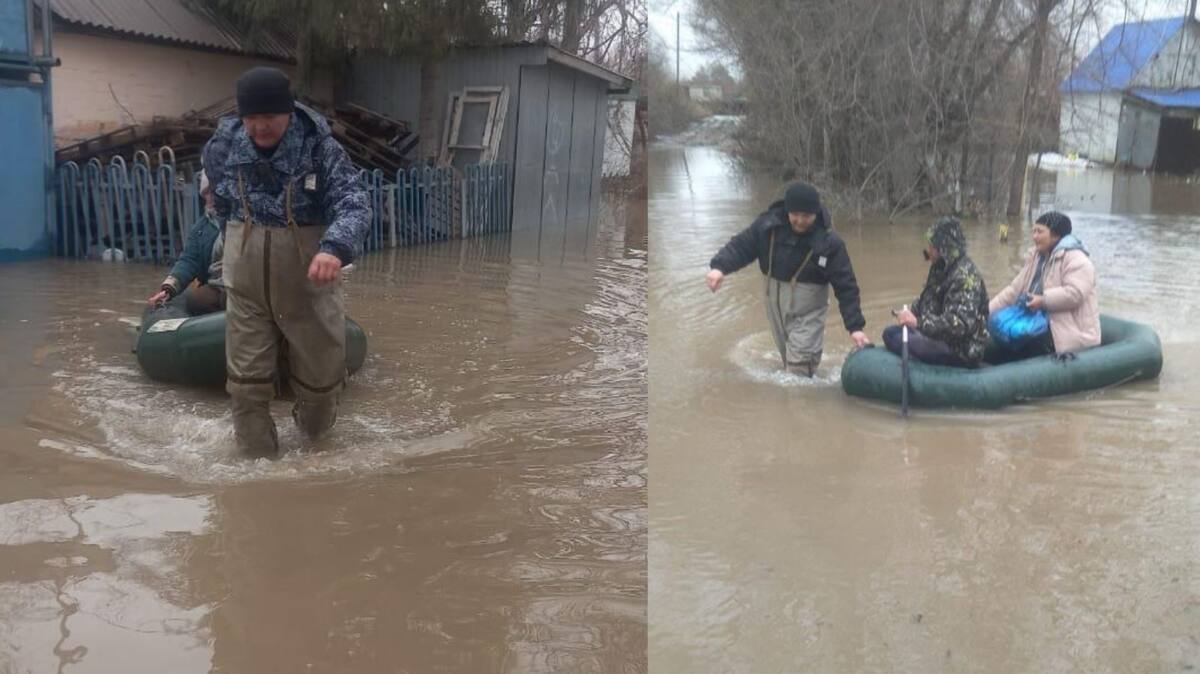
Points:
(1128, 352)
(175, 348)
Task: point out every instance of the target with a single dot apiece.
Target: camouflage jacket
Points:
(325, 185)
(953, 307)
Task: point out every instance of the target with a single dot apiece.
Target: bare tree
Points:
(902, 105)
(609, 32)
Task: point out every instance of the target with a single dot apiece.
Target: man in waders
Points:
(294, 214)
(801, 257)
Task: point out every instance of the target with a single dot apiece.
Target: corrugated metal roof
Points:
(1182, 98)
(170, 21)
(1123, 52)
(617, 81)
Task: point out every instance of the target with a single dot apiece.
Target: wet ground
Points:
(480, 506)
(795, 529)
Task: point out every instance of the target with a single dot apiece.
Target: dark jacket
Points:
(325, 185)
(196, 259)
(828, 263)
(953, 306)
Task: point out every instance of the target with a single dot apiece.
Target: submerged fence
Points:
(137, 212)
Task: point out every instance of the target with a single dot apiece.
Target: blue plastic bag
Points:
(1016, 325)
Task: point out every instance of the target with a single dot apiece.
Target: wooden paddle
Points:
(904, 370)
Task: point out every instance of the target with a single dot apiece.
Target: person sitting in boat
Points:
(200, 261)
(1058, 277)
(802, 258)
(947, 324)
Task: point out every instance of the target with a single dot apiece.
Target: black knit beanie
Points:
(1058, 223)
(802, 198)
(264, 91)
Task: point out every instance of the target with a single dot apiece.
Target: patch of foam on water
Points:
(757, 357)
(88, 452)
(188, 433)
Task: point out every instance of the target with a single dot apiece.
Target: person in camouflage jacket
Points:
(293, 213)
(325, 187)
(948, 322)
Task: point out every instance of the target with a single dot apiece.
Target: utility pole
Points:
(1187, 21)
(677, 48)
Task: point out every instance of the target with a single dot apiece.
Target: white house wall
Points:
(619, 140)
(1174, 67)
(1089, 124)
(105, 82)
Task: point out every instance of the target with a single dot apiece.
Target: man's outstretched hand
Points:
(324, 268)
(714, 278)
(158, 298)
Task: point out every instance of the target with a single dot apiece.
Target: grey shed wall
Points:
(556, 177)
(1137, 137)
(553, 137)
(393, 85)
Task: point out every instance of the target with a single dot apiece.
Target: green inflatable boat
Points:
(175, 348)
(1128, 351)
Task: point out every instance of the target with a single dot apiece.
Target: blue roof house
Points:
(1135, 99)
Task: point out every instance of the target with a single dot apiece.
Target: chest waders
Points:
(276, 316)
(796, 312)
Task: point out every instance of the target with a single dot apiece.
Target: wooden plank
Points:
(582, 158)
(378, 118)
(455, 123)
(459, 109)
(494, 147)
(488, 121)
(530, 158)
(408, 144)
(370, 141)
(451, 103)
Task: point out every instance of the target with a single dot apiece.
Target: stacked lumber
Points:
(373, 140)
(185, 137)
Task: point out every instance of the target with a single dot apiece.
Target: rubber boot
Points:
(314, 417)
(254, 429)
(805, 369)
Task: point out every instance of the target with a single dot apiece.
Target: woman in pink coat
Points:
(1058, 276)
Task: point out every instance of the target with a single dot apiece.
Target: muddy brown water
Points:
(480, 506)
(795, 529)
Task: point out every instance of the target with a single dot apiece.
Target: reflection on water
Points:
(1104, 190)
(480, 505)
(796, 529)
(109, 584)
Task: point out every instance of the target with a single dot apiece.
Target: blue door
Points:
(14, 30)
(22, 172)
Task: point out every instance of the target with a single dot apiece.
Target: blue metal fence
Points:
(145, 211)
(485, 202)
(140, 210)
(416, 207)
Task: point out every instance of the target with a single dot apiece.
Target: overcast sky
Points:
(692, 53)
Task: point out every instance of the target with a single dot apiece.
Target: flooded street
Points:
(479, 507)
(796, 529)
